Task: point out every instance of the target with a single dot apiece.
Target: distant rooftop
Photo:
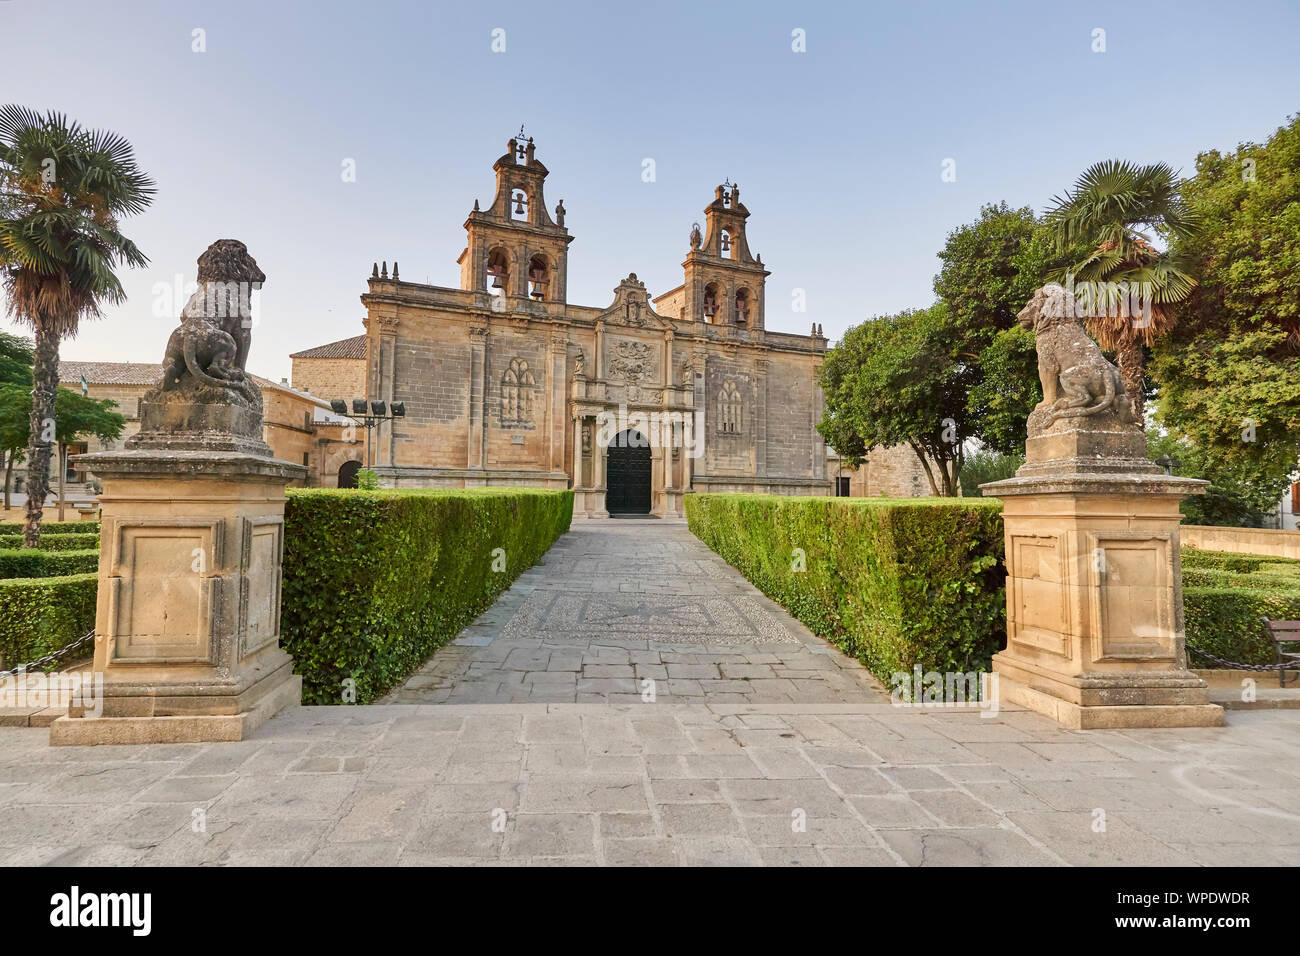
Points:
(353, 348)
(144, 373)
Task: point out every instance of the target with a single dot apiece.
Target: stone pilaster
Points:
(760, 418)
(477, 450)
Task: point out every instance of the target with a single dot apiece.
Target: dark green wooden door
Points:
(628, 476)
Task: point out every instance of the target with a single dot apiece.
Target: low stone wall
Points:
(1274, 544)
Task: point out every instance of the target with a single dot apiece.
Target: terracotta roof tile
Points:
(353, 348)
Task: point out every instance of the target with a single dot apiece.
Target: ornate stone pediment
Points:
(632, 306)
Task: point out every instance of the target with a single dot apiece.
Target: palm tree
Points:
(1097, 225)
(62, 190)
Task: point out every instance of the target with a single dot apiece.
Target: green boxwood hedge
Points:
(1226, 621)
(1225, 595)
(53, 542)
(895, 583)
(53, 527)
(41, 615)
(39, 563)
(375, 581)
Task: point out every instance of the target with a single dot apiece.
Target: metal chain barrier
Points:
(50, 658)
(1236, 665)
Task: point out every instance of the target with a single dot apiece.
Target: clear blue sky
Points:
(838, 150)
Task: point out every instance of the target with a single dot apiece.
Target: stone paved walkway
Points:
(807, 764)
(804, 784)
(625, 607)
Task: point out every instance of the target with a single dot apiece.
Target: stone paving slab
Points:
(663, 784)
(618, 609)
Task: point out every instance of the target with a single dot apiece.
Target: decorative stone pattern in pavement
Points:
(647, 784)
(621, 607)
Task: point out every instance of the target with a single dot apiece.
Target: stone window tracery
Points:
(517, 388)
(730, 409)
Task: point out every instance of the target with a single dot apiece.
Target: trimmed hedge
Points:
(39, 563)
(375, 581)
(1226, 621)
(41, 615)
(1231, 560)
(53, 527)
(53, 542)
(1264, 579)
(895, 583)
(1226, 593)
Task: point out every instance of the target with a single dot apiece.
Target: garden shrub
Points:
(54, 542)
(1225, 596)
(1227, 621)
(39, 563)
(375, 581)
(1224, 560)
(895, 583)
(53, 527)
(41, 615)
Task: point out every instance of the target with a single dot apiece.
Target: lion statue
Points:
(1077, 379)
(210, 346)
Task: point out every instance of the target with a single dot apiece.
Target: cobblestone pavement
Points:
(804, 784)
(621, 607)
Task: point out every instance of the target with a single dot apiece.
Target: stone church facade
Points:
(506, 382)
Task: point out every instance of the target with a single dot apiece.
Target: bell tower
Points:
(515, 250)
(724, 282)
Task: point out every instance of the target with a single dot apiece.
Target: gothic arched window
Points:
(517, 387)
(730, 409)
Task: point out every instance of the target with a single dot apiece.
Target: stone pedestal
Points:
(188, 619)
(1094, 590)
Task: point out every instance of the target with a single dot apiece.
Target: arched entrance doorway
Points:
(348, 474)
(627, 474)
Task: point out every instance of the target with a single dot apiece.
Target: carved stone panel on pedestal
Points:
(1132, 596)
(259, 583)
(164, 590)
(1039, 594)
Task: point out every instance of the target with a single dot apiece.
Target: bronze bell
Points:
(537, 291)
(726, 242)
(519, 204)
(496, 282)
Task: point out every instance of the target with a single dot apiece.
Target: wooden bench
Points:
(1284, 632)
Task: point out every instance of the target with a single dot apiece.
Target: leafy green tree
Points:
(984, 466)
(1241, 493)
(15, 402)
(1229, 374)
(991, 268)
(63, 190)
(960, 370)
(895, 380)
(77, 416)
(1098, 226)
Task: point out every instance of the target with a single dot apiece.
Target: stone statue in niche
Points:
(580, 365)
(1077, 380)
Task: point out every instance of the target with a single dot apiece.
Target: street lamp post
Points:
(368, 414)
